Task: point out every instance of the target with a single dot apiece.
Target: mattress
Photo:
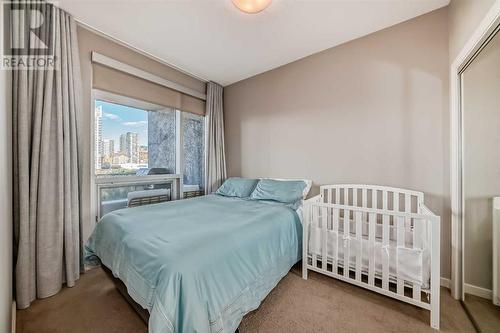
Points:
(200, 264)
(412, 265)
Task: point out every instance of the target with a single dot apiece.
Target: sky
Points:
(118, 119)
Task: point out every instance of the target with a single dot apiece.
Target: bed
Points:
(200, 264)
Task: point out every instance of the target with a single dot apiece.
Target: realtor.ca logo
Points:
(28, 38)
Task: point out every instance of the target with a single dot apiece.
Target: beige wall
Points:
(374, 111)
(481, 101)
(465, 16)
(89, 41)
(5, 198)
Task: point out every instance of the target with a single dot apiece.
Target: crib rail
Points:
(346, 225)
(373, 196)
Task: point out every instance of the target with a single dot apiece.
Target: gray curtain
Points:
(46, 175)
(215, 170)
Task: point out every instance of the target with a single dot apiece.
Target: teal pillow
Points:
(237, 187)
(285, 191)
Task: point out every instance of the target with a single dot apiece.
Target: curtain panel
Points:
(215, 170)
(46, 174)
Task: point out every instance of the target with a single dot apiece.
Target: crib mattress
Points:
(412, 265)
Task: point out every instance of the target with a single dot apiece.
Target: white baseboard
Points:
(470, 289)
(445, 282)
(478, 291)
(13, 315)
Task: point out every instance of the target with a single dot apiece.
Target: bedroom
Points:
(293, 113)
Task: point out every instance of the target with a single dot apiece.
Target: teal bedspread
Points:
(199, 265)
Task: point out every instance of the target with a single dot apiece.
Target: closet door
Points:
(481, 154)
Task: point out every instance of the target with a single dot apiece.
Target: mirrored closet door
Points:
(481, 181)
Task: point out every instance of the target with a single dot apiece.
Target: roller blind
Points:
(118, 82)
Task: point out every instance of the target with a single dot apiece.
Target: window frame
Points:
(98, 182)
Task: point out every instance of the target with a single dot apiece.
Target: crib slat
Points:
(335, 228)
(408, 210)
(355, 197)
(417, 244)
(372, 220)
(395, 202)
(346, 196)
(384, 199)
(408, 230)
(310, 225)
(305, 240)
(346, 242)
(337, 195)
(324, 242)
(374, 199)
(330, 195)
(359, 237)
(315, 214)
(364, 197)
(400, 242)
(385, 252)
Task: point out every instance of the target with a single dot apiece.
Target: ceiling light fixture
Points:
(251, 6)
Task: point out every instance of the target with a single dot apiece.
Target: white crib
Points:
(391, 240)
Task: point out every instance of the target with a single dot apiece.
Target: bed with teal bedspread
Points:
(201, 264)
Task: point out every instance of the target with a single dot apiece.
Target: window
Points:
(129, 140)
(138, 146)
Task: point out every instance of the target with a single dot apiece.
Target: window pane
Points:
(194, 150)
(132, 141)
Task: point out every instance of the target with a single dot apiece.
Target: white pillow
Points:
(306, 189)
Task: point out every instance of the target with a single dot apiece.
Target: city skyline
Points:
(125, 151)
(119, 143)
(118, 119)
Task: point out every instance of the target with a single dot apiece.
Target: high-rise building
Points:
(108, 150)
(123, 144)
(143, 154)
(98, 137)
(129, 146)
(133, 142)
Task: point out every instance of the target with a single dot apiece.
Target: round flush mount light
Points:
(251, 6)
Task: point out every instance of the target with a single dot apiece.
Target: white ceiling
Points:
(213, 40)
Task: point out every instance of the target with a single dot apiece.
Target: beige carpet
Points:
(320, 304)
(486, 315)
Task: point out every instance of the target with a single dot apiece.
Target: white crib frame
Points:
(332, 204)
